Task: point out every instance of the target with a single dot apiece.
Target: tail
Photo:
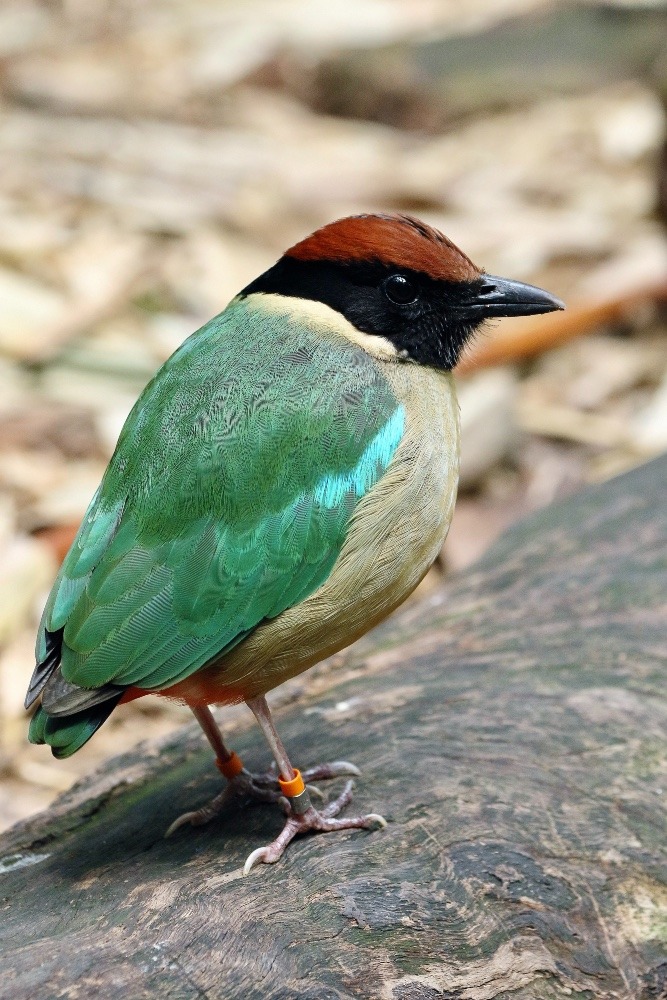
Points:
(69, 715)
(66, 734)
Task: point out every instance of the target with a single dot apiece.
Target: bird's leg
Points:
(204, 717)
(302, 817)
(241, 782)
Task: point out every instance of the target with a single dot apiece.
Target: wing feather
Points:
(227, 501)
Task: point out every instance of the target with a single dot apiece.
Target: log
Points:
(478, 66)
(512, 729)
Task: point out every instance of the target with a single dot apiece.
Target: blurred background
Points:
(156, 155)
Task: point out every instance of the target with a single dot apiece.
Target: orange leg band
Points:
(293, 787)
(230, 767)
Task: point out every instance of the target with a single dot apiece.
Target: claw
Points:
(336, 769)
(313, 821)
(189, 817)
(377, 818)
(253, 858)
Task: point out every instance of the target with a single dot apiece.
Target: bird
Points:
(282, 484)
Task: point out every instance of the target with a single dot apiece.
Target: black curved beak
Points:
(492, 296)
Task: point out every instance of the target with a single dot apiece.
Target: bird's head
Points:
(396, 278)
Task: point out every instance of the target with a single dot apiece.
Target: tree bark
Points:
(512, 729)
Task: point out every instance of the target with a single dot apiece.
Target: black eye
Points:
(400, 290)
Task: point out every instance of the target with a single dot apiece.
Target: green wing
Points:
(227, 500)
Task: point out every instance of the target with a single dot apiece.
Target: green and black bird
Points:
(282, 484)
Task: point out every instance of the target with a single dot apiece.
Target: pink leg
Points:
(303, 818)
(261, 787)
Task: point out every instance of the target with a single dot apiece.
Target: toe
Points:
(344, 799)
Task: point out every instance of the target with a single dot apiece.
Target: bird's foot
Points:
(313, 821)
(242, 785)
(262, 788)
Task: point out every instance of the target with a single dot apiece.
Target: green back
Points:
(226, 501)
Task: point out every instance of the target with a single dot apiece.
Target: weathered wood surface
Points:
(513, 731)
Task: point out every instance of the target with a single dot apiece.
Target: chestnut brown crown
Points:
(398, 240)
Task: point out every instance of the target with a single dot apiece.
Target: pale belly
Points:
(395, 535)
